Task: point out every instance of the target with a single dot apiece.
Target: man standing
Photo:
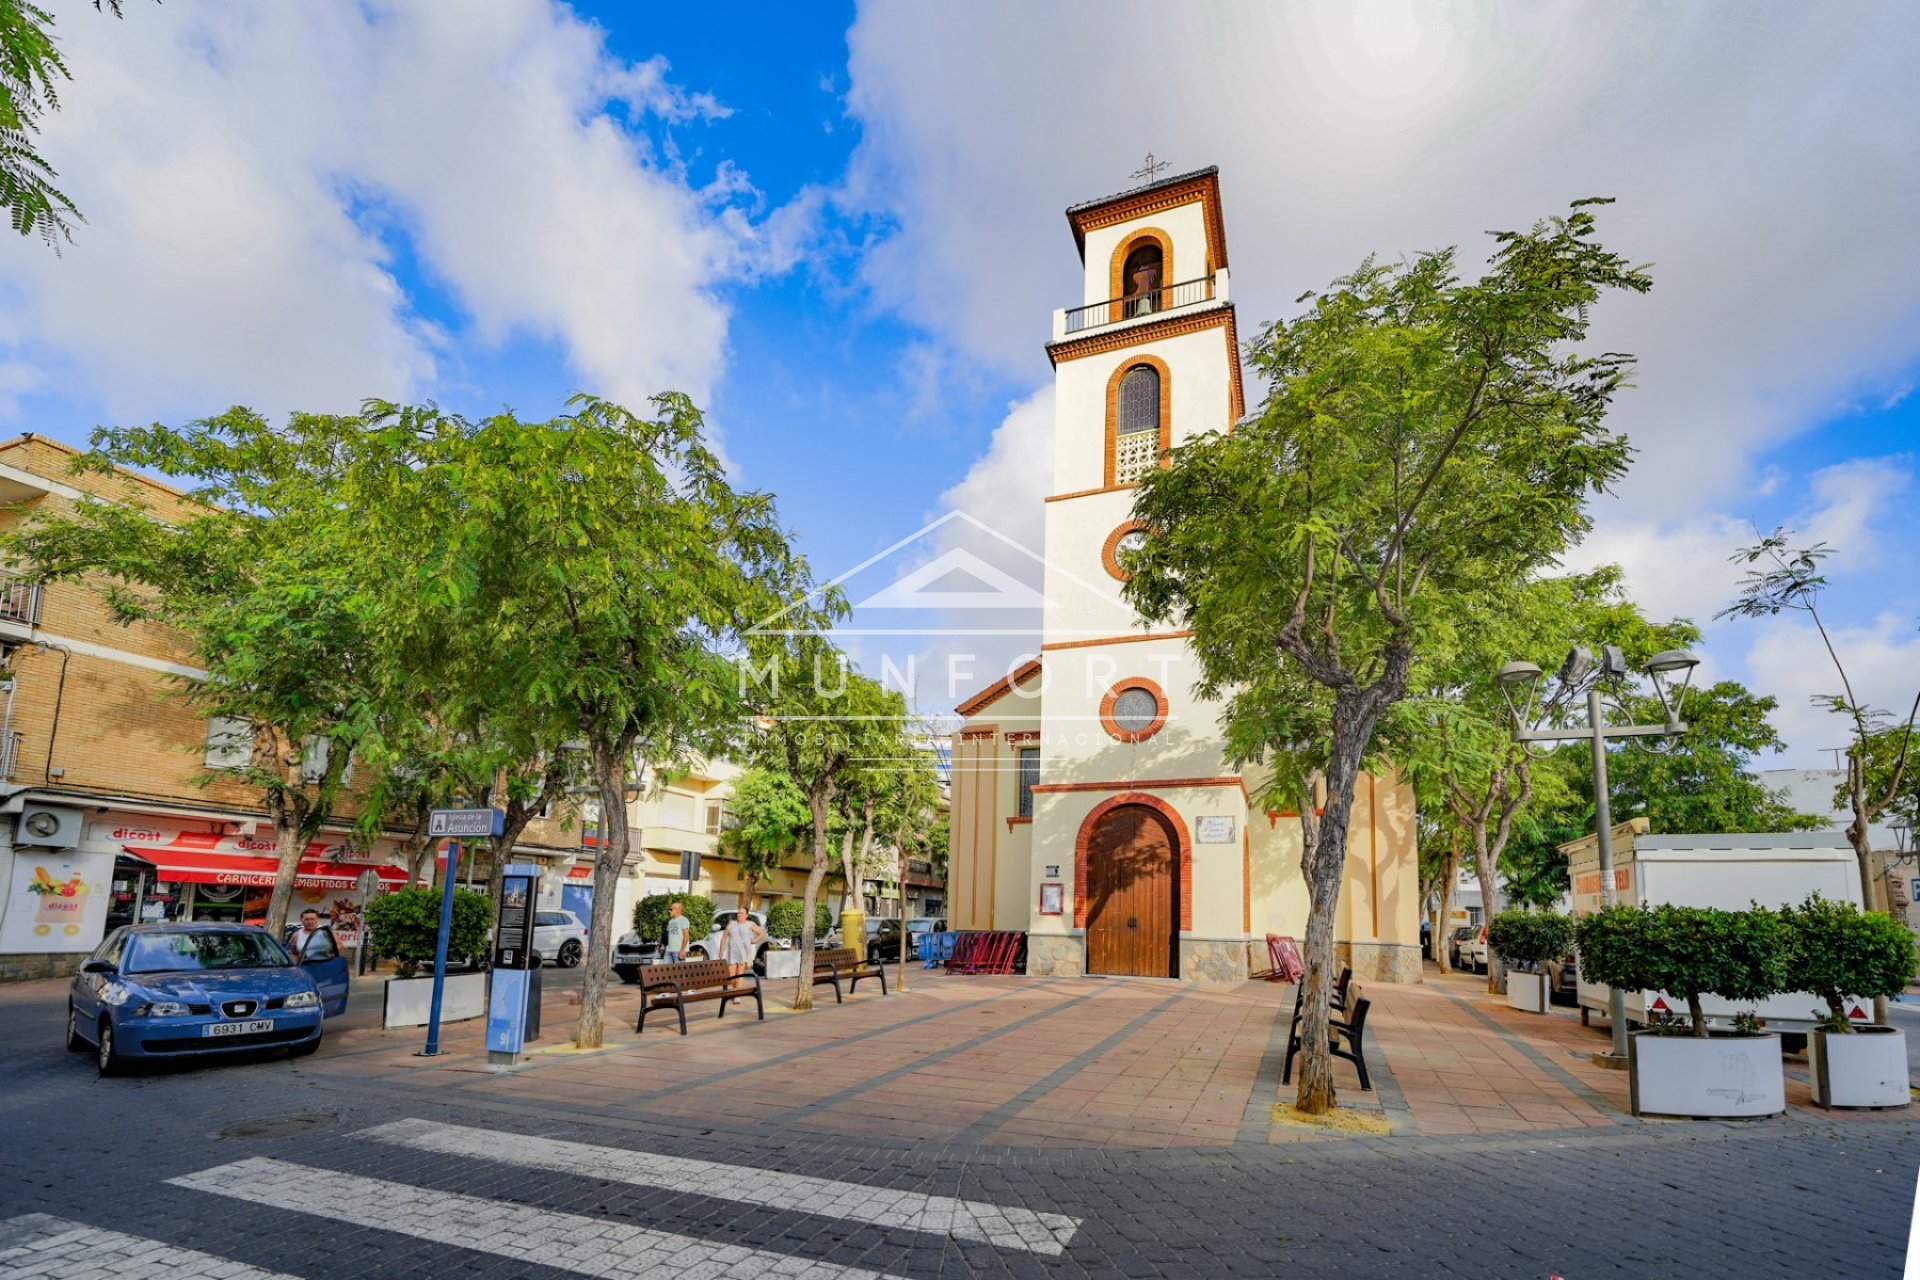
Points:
(678, 933)
(300, 939)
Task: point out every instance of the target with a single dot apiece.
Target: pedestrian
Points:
(742, 939)
(298, 940)
(679, 932)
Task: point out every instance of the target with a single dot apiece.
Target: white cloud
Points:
(238, 168)
(1790, 661)
(1759, 156)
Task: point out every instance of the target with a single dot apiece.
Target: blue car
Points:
(170, 990)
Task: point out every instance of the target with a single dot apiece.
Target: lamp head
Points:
(1662, 668)
(1670, 660)
(1902, 828)
(1516, 673)
(1518, 683)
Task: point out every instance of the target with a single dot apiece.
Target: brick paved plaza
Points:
(996, 1126)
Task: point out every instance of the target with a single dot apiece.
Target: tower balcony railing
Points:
(1073, 321)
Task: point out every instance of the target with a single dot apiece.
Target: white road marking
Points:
(1005, 1227)
(568, 1241)
(39, 1246)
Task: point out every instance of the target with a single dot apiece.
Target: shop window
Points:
(1028, 760)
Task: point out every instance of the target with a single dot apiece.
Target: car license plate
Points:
(236, 1028)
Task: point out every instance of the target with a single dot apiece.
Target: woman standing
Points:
(740, 941)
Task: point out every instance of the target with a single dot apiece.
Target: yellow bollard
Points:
(853, 931)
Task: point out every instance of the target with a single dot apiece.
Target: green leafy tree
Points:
(405, 926)
(1835, 950)
(787, 918)
(771, 822)
(1687, 952)
(30, 71)
(1706, 781)
(1530, 938)
(260, 578)
(650, 915)
(1782, 578)
(603, 564)
(1423, 438)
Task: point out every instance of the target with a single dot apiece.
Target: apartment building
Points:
(112, 804)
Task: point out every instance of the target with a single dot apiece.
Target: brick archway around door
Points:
(1183, 853)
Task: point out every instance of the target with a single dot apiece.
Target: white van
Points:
(1731, 872)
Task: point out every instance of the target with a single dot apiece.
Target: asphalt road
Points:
(273, 1168)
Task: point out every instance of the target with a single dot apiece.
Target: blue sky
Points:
(840, 228)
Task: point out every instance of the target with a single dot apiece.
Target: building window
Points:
(1133, 710)
(1027, 777)
(1121, 543)
(1137, 419)
(229, 743)
(717, 817)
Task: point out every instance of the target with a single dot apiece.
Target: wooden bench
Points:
(830, 964)
(675, 986)
(1346, 1037)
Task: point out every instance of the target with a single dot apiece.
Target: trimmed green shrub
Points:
(785, 918)
(1687, 952)
(1530, 938)
(1836, 950)
(650, 915)
(404, 926)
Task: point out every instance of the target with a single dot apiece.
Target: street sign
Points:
(465, 822)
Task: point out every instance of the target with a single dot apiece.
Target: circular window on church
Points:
(1134, 709)
(1121, 543)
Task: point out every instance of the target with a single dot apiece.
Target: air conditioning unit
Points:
(48, 826)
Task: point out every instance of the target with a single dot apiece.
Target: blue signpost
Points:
(450, 823)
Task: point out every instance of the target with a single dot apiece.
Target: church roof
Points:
(988, 695)
(1201, 184)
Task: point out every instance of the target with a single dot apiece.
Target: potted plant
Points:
(1847, 956)
(405, 927)
(1527, 941)
(1688, 952)
(784, 920)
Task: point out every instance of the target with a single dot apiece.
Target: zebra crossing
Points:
(45, 1247)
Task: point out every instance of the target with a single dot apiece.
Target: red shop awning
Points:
(198, 867)
(580, 871)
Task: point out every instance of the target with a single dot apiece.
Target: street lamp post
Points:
(1532, 720)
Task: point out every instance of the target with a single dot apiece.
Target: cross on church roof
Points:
(1151, 169)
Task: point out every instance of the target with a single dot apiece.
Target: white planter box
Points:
(1527, 992)
(782, 964)
(1718, 1077)
(1866, 1067)
(410, 1000)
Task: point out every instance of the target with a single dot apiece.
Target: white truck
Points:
(1731, 872)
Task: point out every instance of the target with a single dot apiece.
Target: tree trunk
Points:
(1439, 934)
(610, 770)
(1324, 864)
(1698, 1017)
(1488, 874)
(289, 844)
(849, 881)
(1860, 837)
(512, 825)
(822, 859)
(748, 883)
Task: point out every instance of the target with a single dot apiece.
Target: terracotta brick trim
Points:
(1165, 406)
(1117, 271)
(998, 687)
(978, 731)
(1124, 685)
(1164, 784)
(1182, 851)
(1015, 820)
(1024, 735)
(1110, 552)
(1087, 644)
(1089, 493)
(1175, 324)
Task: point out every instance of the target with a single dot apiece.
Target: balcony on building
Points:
(1140, 306)
(19, 603)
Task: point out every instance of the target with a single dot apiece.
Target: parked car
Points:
(1459, 935)
(172, 990)
(883, 937)
(559, 936)
(1473, 949)
(1563, 980)
(708, 948)
(631, 952)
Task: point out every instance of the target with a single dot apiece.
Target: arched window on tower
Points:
(1136, 428)
(1141, 279)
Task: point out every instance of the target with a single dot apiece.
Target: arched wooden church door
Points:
(1132, 891)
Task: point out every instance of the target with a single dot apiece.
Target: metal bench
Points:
(1346, 1037)
(834, 963)
(675, 986)
(1336, 1002)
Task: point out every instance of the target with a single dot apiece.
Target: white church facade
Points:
(1092, 807)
